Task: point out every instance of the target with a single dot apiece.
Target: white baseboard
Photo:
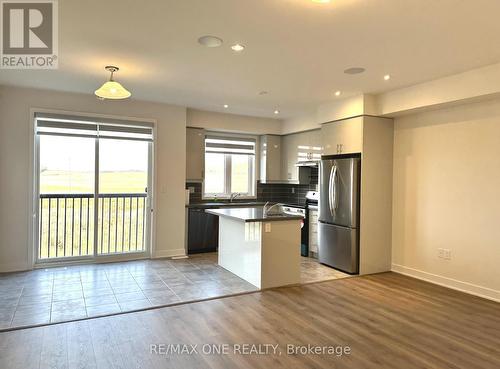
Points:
(14, 267)
(169, 253)
(473, 289)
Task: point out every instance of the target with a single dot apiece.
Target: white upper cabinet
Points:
(270, 158)
(315, 144)
(195, 154)
(289, 157)
(297, 147)
(343, 137)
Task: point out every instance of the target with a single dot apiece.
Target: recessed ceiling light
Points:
(337, 93)
(226, 106)
(238, 47)
(276, 112)
(354, 70)
(387, 77)
(210, 41)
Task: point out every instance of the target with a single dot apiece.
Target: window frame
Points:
(252, 164)
(34, 193)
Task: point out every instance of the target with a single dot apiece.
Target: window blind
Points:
(63, 125)
(230, 145)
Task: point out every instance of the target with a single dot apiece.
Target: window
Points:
(229, 166)
(92, 179)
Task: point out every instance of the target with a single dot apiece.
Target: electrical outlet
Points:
(267, 227)
(293, 189)
(444, 253)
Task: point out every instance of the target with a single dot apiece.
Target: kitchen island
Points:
(260, 248)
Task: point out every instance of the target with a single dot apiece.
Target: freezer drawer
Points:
(339, 247)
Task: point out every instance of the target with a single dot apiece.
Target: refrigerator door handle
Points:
(331, 190)
(335, 191)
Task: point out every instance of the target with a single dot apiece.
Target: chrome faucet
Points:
(266, 209)
(233, 196)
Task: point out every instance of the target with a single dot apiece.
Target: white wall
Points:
(337, 109)
(298, 124)
(232, 122)
(447, 195)
(475, 84)
(347, 107)
(15, 105)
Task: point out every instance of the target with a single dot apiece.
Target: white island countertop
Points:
(255, 214)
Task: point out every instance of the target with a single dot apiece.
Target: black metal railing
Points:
(67, 224)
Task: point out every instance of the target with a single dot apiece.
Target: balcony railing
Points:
(67, 224)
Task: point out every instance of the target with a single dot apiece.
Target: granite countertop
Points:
(252, 215)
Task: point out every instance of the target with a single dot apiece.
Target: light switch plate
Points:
(191, 189)
(267, 227)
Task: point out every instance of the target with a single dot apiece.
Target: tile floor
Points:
(312, 271)
(75, 292)
(52, 295)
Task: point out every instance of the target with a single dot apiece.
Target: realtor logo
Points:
(29, 34)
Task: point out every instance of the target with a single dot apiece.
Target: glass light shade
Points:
(112, 90)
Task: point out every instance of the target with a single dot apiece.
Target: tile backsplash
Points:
(293, 194)
(194, 196)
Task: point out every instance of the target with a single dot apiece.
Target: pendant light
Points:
(112, 89)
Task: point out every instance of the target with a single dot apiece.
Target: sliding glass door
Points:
(123, 196)
(66, 199)
(94, 181)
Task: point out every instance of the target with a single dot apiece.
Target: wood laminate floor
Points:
(385, 320)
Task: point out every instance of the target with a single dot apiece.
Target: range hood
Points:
(308, 163)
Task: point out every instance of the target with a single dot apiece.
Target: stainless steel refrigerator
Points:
(338, 227)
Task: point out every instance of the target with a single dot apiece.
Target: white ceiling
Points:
(295, 49)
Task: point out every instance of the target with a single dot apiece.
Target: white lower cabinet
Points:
(313, 233)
